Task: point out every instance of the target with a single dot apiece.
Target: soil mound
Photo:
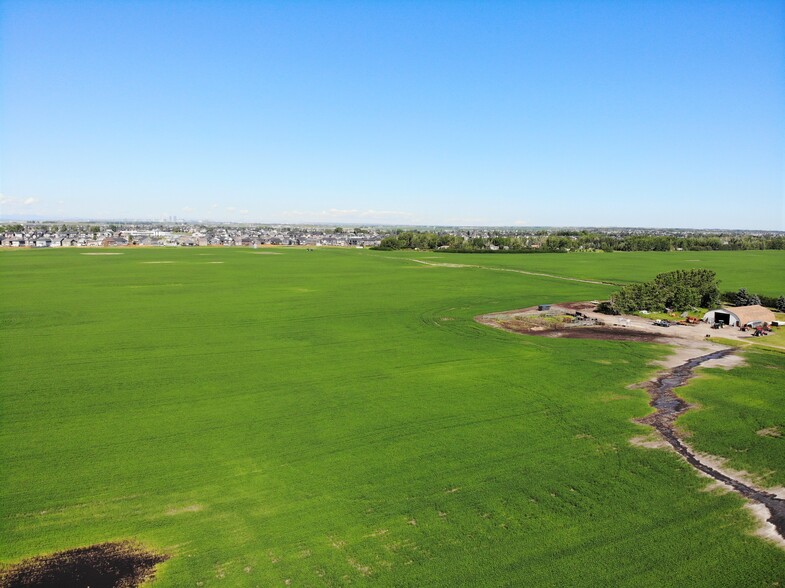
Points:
(107, 565)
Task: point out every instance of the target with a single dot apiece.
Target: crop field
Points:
(758, 271)
(283, 417)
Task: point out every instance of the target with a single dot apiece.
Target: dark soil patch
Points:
(107, 565)
(591, 332)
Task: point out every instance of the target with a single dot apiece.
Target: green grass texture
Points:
(337, 417)
(758, 271)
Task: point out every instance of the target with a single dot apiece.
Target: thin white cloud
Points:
(12, 205)
(188, 209)
(350, 215)
(468, 221)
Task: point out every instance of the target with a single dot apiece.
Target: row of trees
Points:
(19, 228)
(419, 240)
(744, 298)
(562, 241)
(458, 242)
(600, 241)
(679, 290)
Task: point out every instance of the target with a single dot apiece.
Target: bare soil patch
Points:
(184, 509)
(649, 442)
(581, 321)
(529, 325)
(106, 565)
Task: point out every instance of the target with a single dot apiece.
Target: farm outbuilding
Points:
(738, 316)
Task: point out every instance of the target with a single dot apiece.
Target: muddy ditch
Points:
(669, 407)
(107, 565)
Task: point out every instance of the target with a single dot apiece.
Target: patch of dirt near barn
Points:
(107, 565)
(561, 321)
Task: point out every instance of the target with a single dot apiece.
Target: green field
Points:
(336, 417)
(758, 271)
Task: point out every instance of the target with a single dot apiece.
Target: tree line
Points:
(563, 241)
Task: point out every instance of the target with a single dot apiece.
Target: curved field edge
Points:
(741, 415)
(335, 417)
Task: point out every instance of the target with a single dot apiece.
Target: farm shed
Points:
(738, 316)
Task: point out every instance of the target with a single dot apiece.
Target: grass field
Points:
(758, 271)
(334, 417)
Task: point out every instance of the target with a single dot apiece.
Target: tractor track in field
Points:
(669, 407)
(514, 271)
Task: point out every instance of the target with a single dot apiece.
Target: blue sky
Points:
(505, 113)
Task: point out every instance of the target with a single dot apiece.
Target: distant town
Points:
(457, 239)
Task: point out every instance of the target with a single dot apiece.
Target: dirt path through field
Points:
(670, 406)
(512, 270)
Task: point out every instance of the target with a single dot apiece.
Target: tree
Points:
(338, 230)
(781, 303)
(744, 298)
(680, 290)
(389, 243)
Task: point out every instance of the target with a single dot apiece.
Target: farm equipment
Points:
(689, 321)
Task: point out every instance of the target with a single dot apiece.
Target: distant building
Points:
(114, 242)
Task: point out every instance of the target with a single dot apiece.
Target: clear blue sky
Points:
(533, 113)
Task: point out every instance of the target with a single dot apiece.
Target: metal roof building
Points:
(740, 315)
